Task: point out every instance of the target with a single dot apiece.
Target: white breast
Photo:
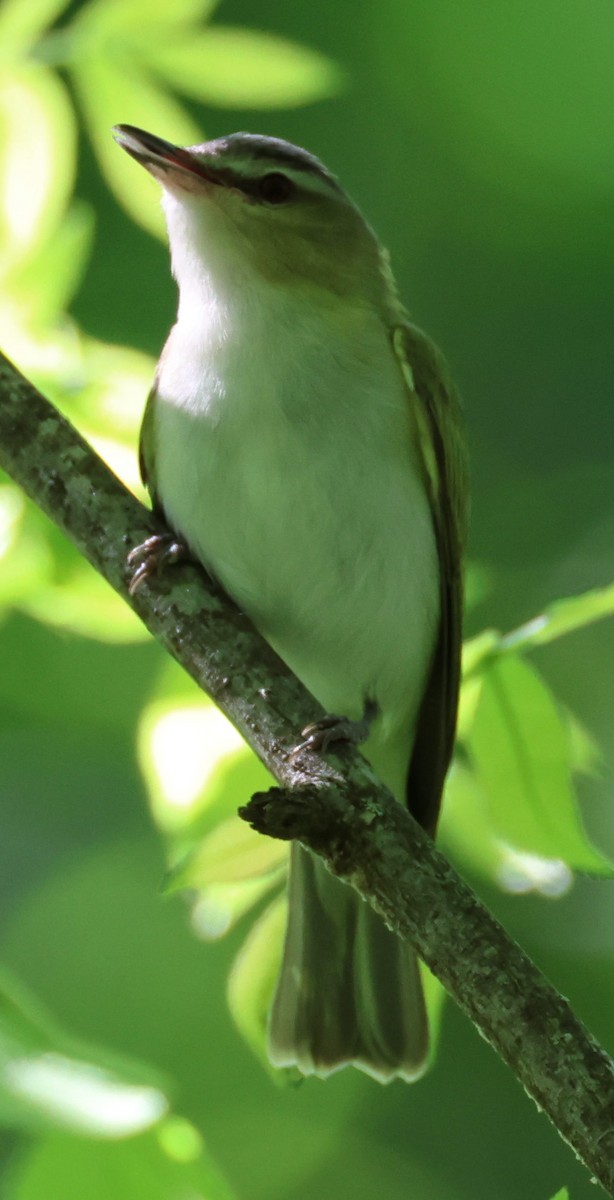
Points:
(285, 456)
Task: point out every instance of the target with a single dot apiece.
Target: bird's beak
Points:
(163, 158)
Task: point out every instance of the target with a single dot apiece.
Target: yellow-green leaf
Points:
(114, 92)
(241, 68)
(22, 23)
(46, 285)
(563, 617)
(25, 559)
(220, 906)
(467, 834)
(182, 747)
(170, 1162)
(519, 746)
(230, 854)
(48, 1081)
(82, 602)
(252, 977)
(37, 160)
(130, 24)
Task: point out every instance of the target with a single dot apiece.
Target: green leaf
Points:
(82, 602)
(477, 650)
(102, 389)
(104, 24)
(196, 766)
(519, 747)
(253, 975)
(48, 282)
(50, 1081)
(563, 1194)
(467, 834)
(112, 92)
(21, 24)
(220, 906)
(435, 996)
(182, 746)
(562, 617)
(240, 68)
(232, 853)
(45, 576)
(169, 1163)
(25, 560)
(37, 161)
(585, 756)
(465, 831)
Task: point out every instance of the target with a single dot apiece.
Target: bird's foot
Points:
(330, 729)
(148, 559)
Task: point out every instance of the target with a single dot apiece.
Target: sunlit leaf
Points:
(584, 754)
(563, 1194)
(476, 652)
(21, 24)
(82, 602)
(25, 558)
(466, 832)
(562, 617)
(220, 906)
(519, 747)
(169, 1163)
(521, 873)
(232, 853)
(196, 766)
(37, 160)
(181, 747)
(103, 390)
(114, 92)
(242, 68)
(435, 996)
(102, 24)
(252, 978)
(61, 589)
(467, 705)
(478, 649)
(50, 1081)
(12, 505)
(46, 285)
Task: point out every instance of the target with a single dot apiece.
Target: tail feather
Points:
(349, 990)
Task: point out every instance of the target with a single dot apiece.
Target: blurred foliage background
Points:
(476, 139)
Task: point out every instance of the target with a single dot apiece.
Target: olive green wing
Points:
(440, 429)
(147, 447)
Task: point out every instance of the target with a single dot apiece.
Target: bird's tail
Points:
(349, 990)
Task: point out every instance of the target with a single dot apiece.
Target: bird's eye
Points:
(276, 188)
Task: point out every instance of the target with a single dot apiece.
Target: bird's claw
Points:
(319, 735)
(156, 552)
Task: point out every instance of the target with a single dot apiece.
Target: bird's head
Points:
(246, 206)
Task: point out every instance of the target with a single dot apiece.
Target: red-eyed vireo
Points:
(304, 441)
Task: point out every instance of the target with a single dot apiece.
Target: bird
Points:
(304, 440)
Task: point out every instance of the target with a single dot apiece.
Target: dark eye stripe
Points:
(249, 185)
(250, 147)
(297, 160)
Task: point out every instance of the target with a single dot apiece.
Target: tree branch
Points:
(336, 807)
